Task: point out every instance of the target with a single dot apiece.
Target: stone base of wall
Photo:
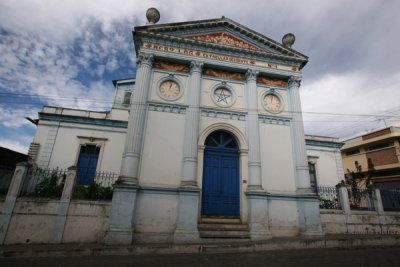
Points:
(33, 219)
(360, 222)
(87, 222)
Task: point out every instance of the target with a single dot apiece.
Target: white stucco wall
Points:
(276, 158)
(163, 149)
(67, 142)
(325, 165)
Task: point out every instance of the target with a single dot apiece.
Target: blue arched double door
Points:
(220, 190)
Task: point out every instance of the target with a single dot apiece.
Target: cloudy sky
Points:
(66, 53)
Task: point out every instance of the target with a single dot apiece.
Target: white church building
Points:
(208, 136)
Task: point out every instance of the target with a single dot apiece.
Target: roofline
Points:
(222, 20)
(115, 81)
(370, 141)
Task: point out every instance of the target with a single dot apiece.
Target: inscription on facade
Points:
(217, 57)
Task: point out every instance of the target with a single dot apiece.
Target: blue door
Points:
(220, 192)
(87, 164)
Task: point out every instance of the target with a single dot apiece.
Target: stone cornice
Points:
(201, 45)
(274, 120)
(82, 120)
(224, 114)
(166, 107)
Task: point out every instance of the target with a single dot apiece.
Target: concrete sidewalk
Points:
(332, 241)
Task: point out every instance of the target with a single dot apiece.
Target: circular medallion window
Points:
(223, 95)
(169, 89)
(272, 102)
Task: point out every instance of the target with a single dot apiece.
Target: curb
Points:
(63, 250)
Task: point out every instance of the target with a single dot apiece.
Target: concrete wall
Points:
(33, 219)
(363, 222)
(87, 221)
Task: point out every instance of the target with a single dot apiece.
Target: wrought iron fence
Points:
(361, 199)
(43, 182)
(6, 174)
(100, 188)
(328, 197)
(390, 200)
(106, 179)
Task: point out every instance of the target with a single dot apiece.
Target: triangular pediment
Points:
(221, 33)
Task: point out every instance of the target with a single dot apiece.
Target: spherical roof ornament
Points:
(288, 40)
(153, 15)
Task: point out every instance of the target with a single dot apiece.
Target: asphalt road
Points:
(386, 257)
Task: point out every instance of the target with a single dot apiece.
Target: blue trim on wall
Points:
(82, 120)
(323, 143)
(274, 120)
(165, 107)
(223, 114)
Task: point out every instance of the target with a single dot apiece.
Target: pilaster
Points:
(258, 219)
(253, 134)
(123, 205)
(299, 144)
(134, 136)
(186, 228)
(192, 126)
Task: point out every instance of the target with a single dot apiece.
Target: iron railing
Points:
(100, 188)
(106, 179)
(43, 182)
(390, 200)
(328, 197)
(361, 199)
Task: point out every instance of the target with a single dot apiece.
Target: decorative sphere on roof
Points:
(288, 40)
(153, 15)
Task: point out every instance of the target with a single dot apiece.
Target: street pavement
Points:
(387, 257)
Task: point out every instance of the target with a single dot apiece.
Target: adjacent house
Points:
(378, 154)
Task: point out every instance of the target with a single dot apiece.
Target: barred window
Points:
(127, 98)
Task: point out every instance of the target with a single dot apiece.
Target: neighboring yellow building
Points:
(383, 149)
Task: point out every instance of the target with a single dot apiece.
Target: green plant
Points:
(93, 191)
(327, 204)
(49, 186)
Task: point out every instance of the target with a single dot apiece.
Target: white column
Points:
(253, 132)
(299, 143)
(192, 126)
(133, 143)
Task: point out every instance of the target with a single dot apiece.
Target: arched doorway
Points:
(220, 190)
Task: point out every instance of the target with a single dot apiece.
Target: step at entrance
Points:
(223, 229)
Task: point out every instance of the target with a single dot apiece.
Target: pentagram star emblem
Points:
(222, 95)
